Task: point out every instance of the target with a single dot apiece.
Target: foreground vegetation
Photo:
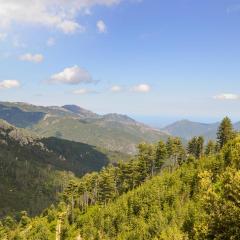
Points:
(166, 192)
(33, 171)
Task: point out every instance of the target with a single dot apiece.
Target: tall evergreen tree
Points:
(161, 154)
(225, 132)
(196, 146)
(175, 150)
(146, 159)
(210, 148)
(107, 186)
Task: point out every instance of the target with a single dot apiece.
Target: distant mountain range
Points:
(188, 129)
(114, 132)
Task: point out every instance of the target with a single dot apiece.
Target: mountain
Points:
(18, 117)
(80, 111)
(33, 170)
(114, 132)
(187, 129)
(237, 126)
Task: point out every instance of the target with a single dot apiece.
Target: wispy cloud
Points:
(142, 88)
(28, 57)
(72, 75)
(116, 89)
(101, 26)
(7, 84)
(83, 91)
(227, 96)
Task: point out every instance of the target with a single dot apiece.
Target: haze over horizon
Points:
(156, 61)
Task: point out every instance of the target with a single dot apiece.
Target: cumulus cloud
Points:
(142, 88)
(7, 84)
(58, 14)
(101, 26)
(28, 57)
(116, 88)
(83, 91)
(227, 96)
(72, 75)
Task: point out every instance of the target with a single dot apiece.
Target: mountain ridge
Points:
(115, 132)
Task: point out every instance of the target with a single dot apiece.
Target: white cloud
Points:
(72, 75)
(28, 57)
(7, 84)
(69, 27)
(83, 91)
(50, 42)
(101, 26)
(116, 88)
(227, 96)
(142, 88)
(3, 36)
(58, 14)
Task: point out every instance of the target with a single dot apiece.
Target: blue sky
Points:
(155, 60)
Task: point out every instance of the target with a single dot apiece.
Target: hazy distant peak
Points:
(188, 129)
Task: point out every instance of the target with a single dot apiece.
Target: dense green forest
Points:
(166, 192)
(33, 170)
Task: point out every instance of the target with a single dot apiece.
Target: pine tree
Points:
(175, 150)
(225, 132)
(146, 160)
(161, 154)
(210, 148)
(196, 146)
(107, 186)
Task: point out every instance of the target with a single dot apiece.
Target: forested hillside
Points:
(166, 192)
(33, 171)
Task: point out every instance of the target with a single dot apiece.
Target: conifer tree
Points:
(146, 161)
(210, 148)
(196, 146)
(107, 186)
(175, 150)
(225, 132)
(161, 154)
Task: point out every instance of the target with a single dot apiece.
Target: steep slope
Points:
(18, 117)
(33, 171)
(114, 132)
(102, 132)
